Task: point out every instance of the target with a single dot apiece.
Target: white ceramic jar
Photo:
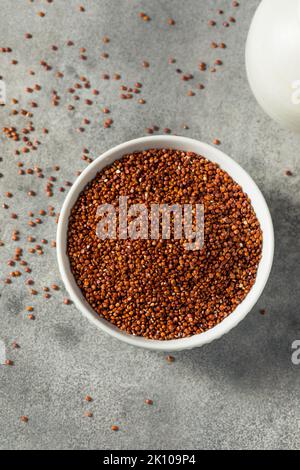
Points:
(273, 60)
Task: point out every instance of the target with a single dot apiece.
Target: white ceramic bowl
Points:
(237, 173)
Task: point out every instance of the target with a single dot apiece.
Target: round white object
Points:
(236, 172)
(273, 60)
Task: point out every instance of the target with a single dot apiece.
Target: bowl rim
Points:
(212, 154)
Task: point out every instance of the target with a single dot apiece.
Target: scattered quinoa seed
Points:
(148, 402)
(170, 359)
(9, 362)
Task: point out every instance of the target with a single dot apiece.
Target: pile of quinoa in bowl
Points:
(156, 288)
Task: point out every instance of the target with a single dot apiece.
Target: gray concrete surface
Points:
(239, 392)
